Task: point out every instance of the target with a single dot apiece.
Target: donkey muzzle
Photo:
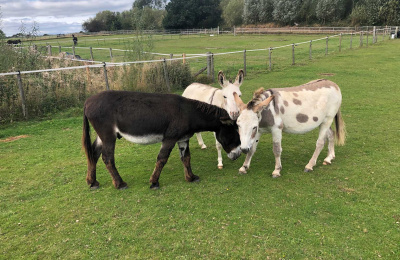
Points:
(235, 153)
(245, 150)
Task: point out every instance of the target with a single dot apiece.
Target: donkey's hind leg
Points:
(331, 147)
(200, 140)
(162, 158)
(109, 160)
(323, 130)
(91, 173)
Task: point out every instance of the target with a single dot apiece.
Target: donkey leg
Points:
(91, 173)
(162, 158)
(249, 156)
(109, 160)
(331, 147)
(200, 140)
(319, 146)
(185, 158)
(277, 150)
(219, 149)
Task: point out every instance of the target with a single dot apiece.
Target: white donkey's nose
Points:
(234, 115)
(245, 150)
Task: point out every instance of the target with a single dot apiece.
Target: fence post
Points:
(59, 49)
(293, 54)
(91, 53)
(340, 42)
(270, 58)
(361, 38)
(184, 58)
(244, 62)
(166, 75)
(209, 64)
(310, 50)
(234, 30)
(111, 56)
(212, 67)
(326, 49)
(22, 94)
(374, 35)
(49, 50)
(351, 41)
(395, 32)
(73, 50)
(367, 38)
(105, 76)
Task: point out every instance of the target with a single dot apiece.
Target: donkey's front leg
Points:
(246, 164)
(162, 158)
(277, 149)
(219, 149)
(185, 158)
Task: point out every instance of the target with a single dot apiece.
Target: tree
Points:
(286, 11)
(232, 12)
(330, 10)
(185, 14)
(366, 12)
(389, 13)
(153, 4)
(250, 12)
(103, 21)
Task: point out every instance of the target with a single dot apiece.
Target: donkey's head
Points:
(228, 88)
(228, 136)
(248, 121)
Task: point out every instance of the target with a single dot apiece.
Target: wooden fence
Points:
(356, 39)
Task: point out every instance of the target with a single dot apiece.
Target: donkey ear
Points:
(239, 78)
(239, 102)
(263, 104)
(221, 79)
(226, 121)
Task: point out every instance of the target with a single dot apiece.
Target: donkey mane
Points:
(210, 109)
(258, 96)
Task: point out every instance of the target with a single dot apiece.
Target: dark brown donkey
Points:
(146, 118)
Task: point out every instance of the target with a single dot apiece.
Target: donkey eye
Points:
(224, 96)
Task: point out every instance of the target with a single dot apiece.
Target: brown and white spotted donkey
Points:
(295, 110)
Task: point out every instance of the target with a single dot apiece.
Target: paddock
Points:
(347, 210)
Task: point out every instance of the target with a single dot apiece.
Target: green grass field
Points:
(348, 210)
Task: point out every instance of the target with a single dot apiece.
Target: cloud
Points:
(54, 16)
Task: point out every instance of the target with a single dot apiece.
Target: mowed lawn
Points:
(348, 210)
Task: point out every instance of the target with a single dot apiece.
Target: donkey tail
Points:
(340, 129)
(86, 142)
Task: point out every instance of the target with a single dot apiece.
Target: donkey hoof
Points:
(155, 186)
(95, 185)
(220, 167)
(326, 163)
(308, 170)
(242, 170)
(122, 186)
(203, 147)
(195, 178)
(276, 175)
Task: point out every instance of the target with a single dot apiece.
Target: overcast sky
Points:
(53, 16)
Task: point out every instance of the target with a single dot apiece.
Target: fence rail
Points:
(304, 50)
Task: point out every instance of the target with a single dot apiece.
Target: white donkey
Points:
(220, 97)
(295, 110)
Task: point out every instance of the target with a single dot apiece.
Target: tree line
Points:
(185, 14)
